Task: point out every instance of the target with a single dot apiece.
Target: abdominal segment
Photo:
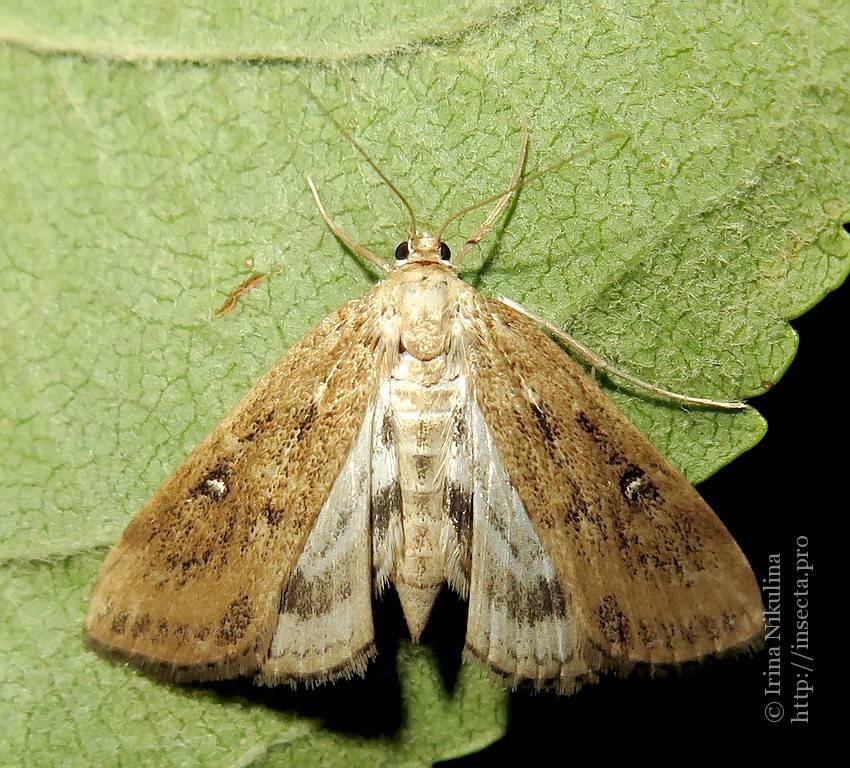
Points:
(415, 545)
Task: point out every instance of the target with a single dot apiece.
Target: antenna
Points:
(413, 228)
(526, 181)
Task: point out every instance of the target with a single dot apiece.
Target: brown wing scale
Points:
(653, 574)
(192, 589)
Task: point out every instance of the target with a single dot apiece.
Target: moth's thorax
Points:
(425, 296)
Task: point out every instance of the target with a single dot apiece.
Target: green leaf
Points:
(62, 706)
(148, 151)
(325, 31)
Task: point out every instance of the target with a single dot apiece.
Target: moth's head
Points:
(422, 247)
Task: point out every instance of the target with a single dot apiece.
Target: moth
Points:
(422, 435)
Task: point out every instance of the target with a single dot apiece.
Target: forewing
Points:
(193, 588)
(324, 628)
(520, 619)
(650, 572)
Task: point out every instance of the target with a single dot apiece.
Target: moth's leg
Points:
(597, 362)
(360, 250)
(485, 225)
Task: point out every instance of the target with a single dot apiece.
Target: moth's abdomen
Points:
(423, 396)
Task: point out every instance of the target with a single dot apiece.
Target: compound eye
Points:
(402, 251)
(445, 252)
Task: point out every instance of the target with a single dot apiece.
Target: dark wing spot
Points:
(141, 625)
(543, 423)
(529, 604)
(636, 487)
(586, 520)
(545, 601)
(258, 426)
(689, 632)
(315, 597)
(459, 427)
(385, 502)
(191, 566)
(710, 627)
(272, 515)
(611, 453)
(459, 508)
(299, 598)
(387, 429)
(647, 635)
(214, 485)
(234, 623)
(458, 504)
(573, 516)
(613, 623)
(548, 428)
(119, 623)
(585, 422)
